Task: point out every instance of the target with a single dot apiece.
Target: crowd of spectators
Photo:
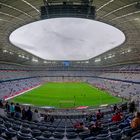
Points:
(95, 121)
(11, 88)
(24, 113)
(125, 90)
(15, 110)
(10, 73)
(103, 80)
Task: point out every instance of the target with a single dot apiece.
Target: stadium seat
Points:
(2, 138)
(25, 125)
(58, 135)
(18, 122)
(84, 135)
(41, 138)
(21, 136)
(136, 137)
(47, 134)
(71, 135)
(10, 133)
(60, 129)
(70, 130)
(16, 127)
(90, 138)
(25, 130)
(113, 128)
(103, 137)
(104, 131)
(122, 125)
(127, 131)
(116, 135)
(51, 129)
(33, 126)
(43, 128)
(1, 121)
(35, 132)
(7, 124)
(2, 129)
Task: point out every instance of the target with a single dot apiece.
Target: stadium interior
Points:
(115, 71)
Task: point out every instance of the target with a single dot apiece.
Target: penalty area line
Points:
(22, 93)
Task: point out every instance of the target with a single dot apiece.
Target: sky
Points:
(67, 38)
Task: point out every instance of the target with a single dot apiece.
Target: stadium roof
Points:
(123, 14)
(67, 38)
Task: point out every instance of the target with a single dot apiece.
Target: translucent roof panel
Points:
(67, 38)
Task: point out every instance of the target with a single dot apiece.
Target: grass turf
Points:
(66, 95)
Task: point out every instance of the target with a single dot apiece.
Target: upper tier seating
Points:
(11, 88)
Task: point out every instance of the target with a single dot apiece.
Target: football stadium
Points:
(69, 69)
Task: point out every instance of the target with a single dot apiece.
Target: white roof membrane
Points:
(67, 38)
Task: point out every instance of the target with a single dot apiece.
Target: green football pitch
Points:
(66, 95)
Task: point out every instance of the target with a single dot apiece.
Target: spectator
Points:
(1, 103)
(23, 113)
(29, 114)
(115, 108)
(89, 118)
(80, 127)
(45, 117)
(99, 114)
(7, 107)
(36, 116)
(17, 111)
(51, 119)
(117, 117)
(127, 120)
(95, 127)
(12, 109)
(135, 123)
(132, 107)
